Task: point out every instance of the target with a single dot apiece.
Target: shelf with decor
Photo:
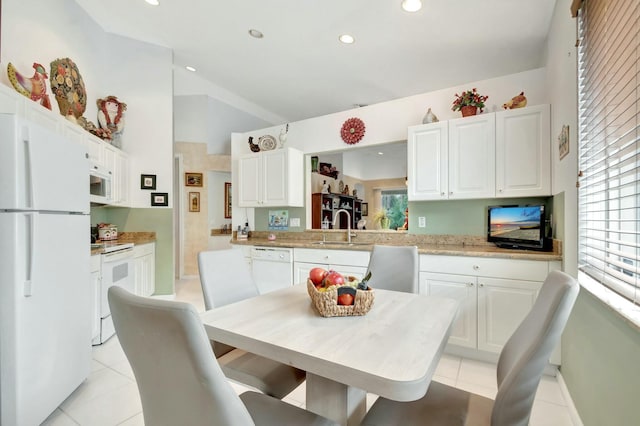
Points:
(324, 207)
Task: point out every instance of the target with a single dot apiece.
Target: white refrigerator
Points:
(45, 284)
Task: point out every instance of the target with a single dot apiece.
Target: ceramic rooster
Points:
(516, 102)
(34, 88)
(254, 147)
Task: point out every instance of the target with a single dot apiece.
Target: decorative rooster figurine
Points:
(34, 88)
(254, 147)
(516, 102)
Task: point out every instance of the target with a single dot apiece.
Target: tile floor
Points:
(110, 397)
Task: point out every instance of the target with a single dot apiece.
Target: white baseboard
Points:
(573, 412)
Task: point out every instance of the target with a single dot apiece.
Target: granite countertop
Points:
(450, 245)
(136, 238)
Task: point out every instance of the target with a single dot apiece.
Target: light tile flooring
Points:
(110, 397)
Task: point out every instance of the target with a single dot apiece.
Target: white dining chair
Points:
(520, 367)
(179, 380)
(225, 279)
(394, 268)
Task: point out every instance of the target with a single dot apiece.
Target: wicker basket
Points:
(327, 302)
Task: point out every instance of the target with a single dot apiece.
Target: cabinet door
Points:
(463, 289)
(472, 157)
(523, 152)
(502, 305)
(95, 149)
(95, 311)
(249, 188)
(274, 178)
(117, 164)
(427, 168)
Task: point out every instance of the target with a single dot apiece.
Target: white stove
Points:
(117, 270)
(111, 246)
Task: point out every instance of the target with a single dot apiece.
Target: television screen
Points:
(516, 226)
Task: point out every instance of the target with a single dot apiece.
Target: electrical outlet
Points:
(422, 222)
(294, 222)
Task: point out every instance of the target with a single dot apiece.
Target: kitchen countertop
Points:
(136, 238)
(450, 245)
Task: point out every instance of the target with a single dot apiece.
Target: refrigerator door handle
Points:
(28, 181)
(30, 231)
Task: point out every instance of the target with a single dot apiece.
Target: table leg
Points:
(341, 403)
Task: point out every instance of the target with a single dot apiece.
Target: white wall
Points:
(138, 73)
(562, 82)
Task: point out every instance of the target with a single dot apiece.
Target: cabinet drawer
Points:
(531, 270)
(334, 257)
(95, 263)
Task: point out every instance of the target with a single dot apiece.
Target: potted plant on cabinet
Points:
(469, 102)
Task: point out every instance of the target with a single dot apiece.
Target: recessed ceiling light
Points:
(255, 33)
(411, 5)
(380, 153)
(153, 2)
(346, 39)
(190, 68)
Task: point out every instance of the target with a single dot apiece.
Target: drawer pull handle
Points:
(476, 267)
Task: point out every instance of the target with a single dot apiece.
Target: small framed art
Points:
(194, 201)
(147, 181)
(159, 199)
(193, 179)
(365, 209)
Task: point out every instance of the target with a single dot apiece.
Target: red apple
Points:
(345, 299)
(316, 275)
(333, 278)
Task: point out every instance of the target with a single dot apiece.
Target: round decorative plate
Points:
(341, 186)
(352, 130)
(267, 143)
(68, 87)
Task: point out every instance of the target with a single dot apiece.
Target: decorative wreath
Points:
(352, 130)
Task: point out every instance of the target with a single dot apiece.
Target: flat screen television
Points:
(517, 227)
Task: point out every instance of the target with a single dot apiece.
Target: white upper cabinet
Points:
(503, 154)
(271, 178)
(452, 160)
(472, 157)
(523, 152)
(427, 171)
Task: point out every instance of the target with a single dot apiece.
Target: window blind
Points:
(609, 158)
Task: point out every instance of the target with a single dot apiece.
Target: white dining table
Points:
(392, 351)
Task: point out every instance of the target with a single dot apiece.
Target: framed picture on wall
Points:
(147, 181)
(365, 209)
(194, 201)
(159, 199)
(227, 200)
(193, 179)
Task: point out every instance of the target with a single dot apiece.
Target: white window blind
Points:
(609, 158)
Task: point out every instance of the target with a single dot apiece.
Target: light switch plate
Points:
(422, 222)
(294, 222)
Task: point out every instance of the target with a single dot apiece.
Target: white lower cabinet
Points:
(495, 295)
(96, 279)
(347, 262)
(144, 269)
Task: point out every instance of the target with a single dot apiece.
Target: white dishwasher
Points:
(272, 268)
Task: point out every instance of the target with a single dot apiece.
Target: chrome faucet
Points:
(335, 218)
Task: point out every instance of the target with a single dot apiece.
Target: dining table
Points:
(392, 351)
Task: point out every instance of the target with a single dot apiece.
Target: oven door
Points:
(117, 269)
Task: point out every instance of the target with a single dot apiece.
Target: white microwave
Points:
(99, 185)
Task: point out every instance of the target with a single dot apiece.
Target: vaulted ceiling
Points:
(299, 69)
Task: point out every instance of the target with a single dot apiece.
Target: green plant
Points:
(469, 98)
(380, 217)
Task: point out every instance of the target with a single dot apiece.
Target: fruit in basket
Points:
(346, 295)
(345, 299)
(333, 278)
(316, 275)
